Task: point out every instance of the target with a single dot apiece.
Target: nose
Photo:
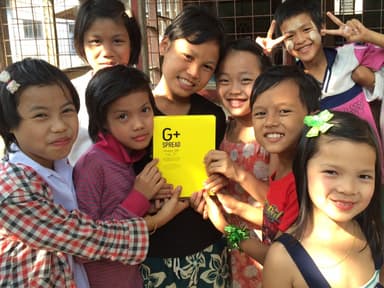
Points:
(137, 123)
(346, 185)
(107, 50)
(235, 87)
(58, 125)
(271, 120)
(193, 70)
(299, 37)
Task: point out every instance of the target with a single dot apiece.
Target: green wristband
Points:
(235, 235)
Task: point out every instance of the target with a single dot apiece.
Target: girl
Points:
(191, 49)
(104, 36)
(241, 158)
(120, 107)
(41, 228)
(339, 228)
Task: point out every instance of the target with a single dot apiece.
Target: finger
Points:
(280, 39)
(335, 32)
(334, 19)
(271, 29)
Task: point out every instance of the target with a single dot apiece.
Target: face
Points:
(277, 117)
(130, 120)
(235, 79)
(187, 68)
(338, 187)
(107, 43)
(49, 123)
(303, 38)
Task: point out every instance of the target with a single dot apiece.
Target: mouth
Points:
(236, 103)
(185, 82)
(304, 48)
(343, 204)
(274, 136)
(61, 141)
(140, 138)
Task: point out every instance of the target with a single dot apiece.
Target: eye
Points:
(330, 172)
(284, 112)
(122, 116)
(93, 42)
(246, 81)
(366, 177)
(188, 57)
(288, 36)
(118, 41)
(69, 109)
(147, 109)
(259, 114)
(40, 116)
(208, 67)
(222, 81)
(307, 29)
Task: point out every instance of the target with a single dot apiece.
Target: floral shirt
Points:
(36, 234)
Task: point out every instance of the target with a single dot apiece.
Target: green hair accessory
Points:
(318, 123)
(235, 235)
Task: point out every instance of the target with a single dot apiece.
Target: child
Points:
(300, 21)
(241, 158)
(120, 107)
(339, 229)
(104, 36)
(191, 49)
(281, 97)
(41, 228)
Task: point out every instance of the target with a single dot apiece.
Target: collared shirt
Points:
(37, 235)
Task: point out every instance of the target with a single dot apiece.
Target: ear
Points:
(164, 45)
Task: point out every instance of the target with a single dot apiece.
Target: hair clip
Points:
(318, 123)
(12, 85)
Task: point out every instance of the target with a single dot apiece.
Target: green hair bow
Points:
(318, 123)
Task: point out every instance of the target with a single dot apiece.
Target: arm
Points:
(253, 246)
(29, 216)
(277, 262)
(217, 161)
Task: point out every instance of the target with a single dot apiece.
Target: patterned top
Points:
(36, 234)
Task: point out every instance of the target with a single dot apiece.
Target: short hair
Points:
(291, 8)
(92, 10)
(250, 46)
(108, 85)
(309, 88)
(28, 72)
(197, 25)
(346, 126)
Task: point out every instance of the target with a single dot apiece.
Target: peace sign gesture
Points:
(268, 43)
(353, 30)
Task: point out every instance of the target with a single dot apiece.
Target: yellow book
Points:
(180, 142)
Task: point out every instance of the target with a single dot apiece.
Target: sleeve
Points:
(378, 91)
(88, 177)
(291, 207)
(370, 56)
(29, 216)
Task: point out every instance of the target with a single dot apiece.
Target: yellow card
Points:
(180, 142)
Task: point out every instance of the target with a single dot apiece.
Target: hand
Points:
(364, 77)
(352, 31)
(149, 181)
(170, 208)
(213, 212)
(165, 192)
(215, 183)
(268, 43)
(217, 161)
(197, 202)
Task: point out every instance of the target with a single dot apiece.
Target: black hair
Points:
(309, 89)
(197, 25)
(348, 127)
(28, 72)
(106, 86)
(248, 45)
(92, 10)
(291, 8)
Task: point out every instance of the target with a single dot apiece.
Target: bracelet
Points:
(235, 235)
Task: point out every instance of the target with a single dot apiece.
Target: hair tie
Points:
(12, 85)
(318, 123)
(235, 235)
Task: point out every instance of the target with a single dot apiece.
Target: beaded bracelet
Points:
(235, 235)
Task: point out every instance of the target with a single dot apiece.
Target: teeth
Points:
(274, 135)
(186, 82)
